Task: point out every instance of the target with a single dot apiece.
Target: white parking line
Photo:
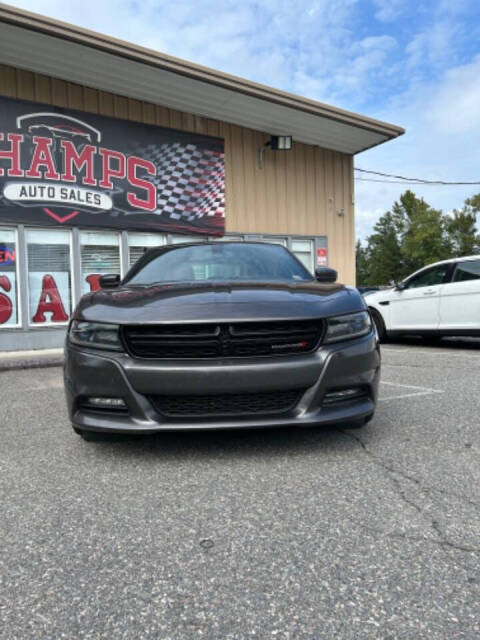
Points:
(420, 391)
(410, 386)
(433, 353)
(47, 384)
(409, 395)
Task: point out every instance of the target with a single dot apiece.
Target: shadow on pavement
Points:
(464, 344)
(230, 444)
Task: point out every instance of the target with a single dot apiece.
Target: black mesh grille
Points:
(223, 340)
(243, 404)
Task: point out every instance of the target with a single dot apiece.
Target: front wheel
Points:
(379, 325)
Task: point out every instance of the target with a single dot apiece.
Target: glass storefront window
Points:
(174, 239)
(49, 277)
(138, 243)
(227, 239)
(303, 249)
(180, 239)
(9, 313)
(100, 253)
(282, 241)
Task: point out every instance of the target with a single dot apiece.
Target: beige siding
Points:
(298, 192)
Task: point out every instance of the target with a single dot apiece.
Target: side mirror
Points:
(398, 286)
(325, 274)
(109, 281)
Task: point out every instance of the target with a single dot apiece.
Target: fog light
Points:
(343, 394)
(106, 403)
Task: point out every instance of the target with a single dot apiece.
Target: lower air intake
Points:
(244, 404)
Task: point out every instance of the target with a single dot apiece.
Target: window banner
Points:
(322, 257)
(49, 297)
(8, 301)
(69, 168)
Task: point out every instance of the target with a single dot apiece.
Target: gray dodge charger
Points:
(220, 335)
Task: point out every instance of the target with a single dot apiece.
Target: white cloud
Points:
(434, 46)
(365, 220)
(389, 10)
(456, 109)
(404, 62)
(442, 143)
(311, 46)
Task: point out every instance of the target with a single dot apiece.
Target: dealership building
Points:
(107, 149)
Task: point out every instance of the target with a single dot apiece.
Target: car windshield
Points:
(218, 262)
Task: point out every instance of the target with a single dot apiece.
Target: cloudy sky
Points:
(415, 63)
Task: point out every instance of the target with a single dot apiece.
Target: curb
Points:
(31, 363)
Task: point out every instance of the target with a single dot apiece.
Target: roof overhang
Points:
(43, 45)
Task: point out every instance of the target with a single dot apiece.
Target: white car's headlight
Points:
(348, 326)
(96, 335)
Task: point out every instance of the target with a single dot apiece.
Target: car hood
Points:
(217, 302)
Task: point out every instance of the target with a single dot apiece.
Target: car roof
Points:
(462, 259)
(436, 264)
(202, 243)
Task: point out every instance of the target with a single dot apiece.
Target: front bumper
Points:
(89, 372)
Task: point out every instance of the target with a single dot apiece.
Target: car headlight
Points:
(96, 335)
(348, 326)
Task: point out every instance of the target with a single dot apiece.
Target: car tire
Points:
(380, 325)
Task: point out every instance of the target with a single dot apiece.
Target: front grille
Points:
(239, 339)
(226, 404)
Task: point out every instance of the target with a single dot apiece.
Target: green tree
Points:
(384, 252)
(474, 203)
(462, 229)
(426, 239)
(421, 231)
(361, 263)
(414, 234)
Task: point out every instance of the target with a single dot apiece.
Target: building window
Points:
(138, 243)
(49, 277)
(180, 239)
(272, 240)
(100, 253)
(226, 239)
(9, 312)
(303, 249)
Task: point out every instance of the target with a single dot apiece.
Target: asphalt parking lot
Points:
(286, 534)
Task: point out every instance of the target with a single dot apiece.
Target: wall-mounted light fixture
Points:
(276, 143)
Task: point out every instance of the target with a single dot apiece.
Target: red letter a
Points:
(50, 300)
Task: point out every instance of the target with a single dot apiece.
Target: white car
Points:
(442, 299)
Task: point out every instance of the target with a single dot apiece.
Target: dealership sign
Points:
(63, 167)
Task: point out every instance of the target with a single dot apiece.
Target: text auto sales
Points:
(111, 164)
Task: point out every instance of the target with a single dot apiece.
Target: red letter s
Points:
(5, 302)
(150, 202)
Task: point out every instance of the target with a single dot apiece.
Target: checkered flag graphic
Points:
(189, 180)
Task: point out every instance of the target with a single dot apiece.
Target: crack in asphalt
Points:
(432, 541)
(400, 472)
(389, 470)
